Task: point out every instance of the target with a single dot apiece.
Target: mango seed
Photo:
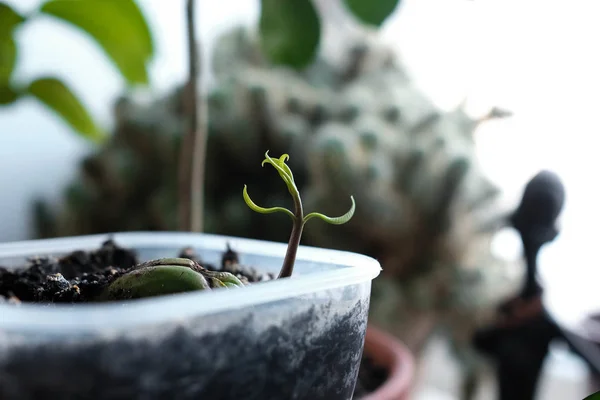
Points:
(155, 281)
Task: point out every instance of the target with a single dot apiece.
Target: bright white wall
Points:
(536, 58)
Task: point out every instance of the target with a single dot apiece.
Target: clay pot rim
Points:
(389, 352)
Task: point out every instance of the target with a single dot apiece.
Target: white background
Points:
(537, 58)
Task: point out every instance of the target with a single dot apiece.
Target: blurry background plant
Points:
(117, 26)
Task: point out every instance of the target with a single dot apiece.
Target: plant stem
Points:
(290, 255)
(193, 146)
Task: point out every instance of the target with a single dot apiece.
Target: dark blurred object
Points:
(519, 340)
(535, 220)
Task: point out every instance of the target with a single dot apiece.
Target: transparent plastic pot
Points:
(295, 338)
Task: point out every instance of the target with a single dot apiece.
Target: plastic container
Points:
(296, 338)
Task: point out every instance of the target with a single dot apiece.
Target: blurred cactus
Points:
(357, 127)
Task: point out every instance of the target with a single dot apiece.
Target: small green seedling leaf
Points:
(55, 95)
(290, 31)
(334, 220)
(263, 210)
(372, 12)
(297, 216)
(117, 26)
(155, 281)
(282, 169)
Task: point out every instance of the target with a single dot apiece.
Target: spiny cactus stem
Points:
(290, 255)
(193, 146)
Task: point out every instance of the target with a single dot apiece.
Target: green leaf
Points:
(8, 58)
(334, 220)
(118, 26)
(8, 95)
(284, 172)
(9, 19)
(290, 31)
(263, 210)
(372, 12)
(61, 100)
(279, 164)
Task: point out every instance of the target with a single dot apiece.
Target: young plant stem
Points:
(193, 146)
(290, 255)
(298, 217)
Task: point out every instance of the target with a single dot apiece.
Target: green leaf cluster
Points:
(286, 175)
(118, 27)
(290, 30)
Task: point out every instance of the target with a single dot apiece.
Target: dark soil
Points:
(370, 377)
(80, 276)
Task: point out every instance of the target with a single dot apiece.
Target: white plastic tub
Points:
(295, 338)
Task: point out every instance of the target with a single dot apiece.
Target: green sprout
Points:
(298, 217)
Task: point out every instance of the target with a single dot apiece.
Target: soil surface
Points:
(81, 276)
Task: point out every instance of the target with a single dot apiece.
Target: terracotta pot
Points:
(389, 352)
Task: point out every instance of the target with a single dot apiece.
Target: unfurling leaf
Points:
(118, 26)
(284, 172)
(290, 31)
(334, 220)
(263, 210)
(372, 12)
(61, 100)
(279, 165)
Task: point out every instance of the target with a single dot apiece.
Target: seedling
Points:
(298, 217)
(174, 275)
